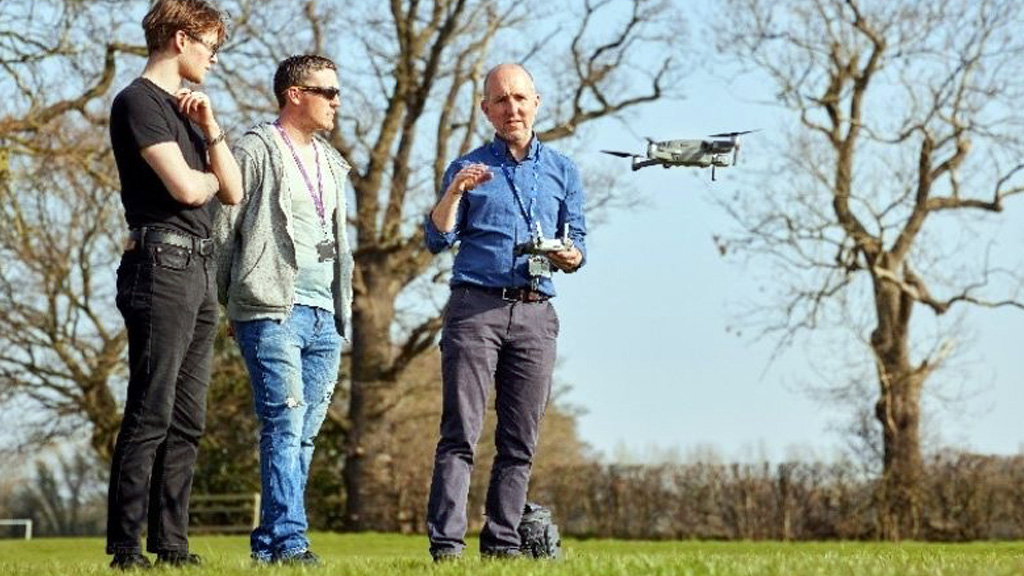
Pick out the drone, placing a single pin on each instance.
(722, 150)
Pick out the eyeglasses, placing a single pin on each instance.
(213, 48)
(328, 92)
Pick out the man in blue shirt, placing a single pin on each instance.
(500, 327)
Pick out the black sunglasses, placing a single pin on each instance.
(213, 48)
(327, 92)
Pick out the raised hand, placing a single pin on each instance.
(470, 177)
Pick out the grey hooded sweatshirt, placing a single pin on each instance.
(254, 243)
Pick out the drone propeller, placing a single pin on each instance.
(619, 154)
(733, 134)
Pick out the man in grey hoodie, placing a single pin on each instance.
(285, 275)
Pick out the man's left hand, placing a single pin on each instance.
(566, 260)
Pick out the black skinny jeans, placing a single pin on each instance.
(168, 299)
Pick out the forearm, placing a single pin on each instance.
(446, 211)
(185, 184)
(229, 177)
(194, 187)
(223, 166)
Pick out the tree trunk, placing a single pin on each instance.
(104, 433)
(98, 401)
(899, 411)
(367, 471)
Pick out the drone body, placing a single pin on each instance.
(720, 150)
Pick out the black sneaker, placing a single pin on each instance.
(178, 559)
(304, 558)
(447, 556)
(130, 561)
(501, 554)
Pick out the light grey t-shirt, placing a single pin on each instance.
(313, 280)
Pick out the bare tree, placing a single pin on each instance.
(65, 497)
(908, 138)
(60, 348)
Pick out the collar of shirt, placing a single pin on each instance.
(500, 148)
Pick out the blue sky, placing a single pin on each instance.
(644, 340)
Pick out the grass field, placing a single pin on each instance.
(381, 555)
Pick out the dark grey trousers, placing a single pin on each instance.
(487, 340)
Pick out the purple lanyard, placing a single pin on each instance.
(317, 194)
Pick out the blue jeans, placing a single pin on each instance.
(293, 367)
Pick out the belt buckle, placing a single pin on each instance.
(204, 246)
(511, 294)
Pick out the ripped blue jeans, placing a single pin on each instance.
(293, 368)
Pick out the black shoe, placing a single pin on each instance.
(501, 554)
(178, 559)
(444, 557)
(304, 558)
(130, 561)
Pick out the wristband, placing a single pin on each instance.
(220, 138)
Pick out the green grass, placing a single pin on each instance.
(385, 554)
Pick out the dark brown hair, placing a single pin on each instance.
(292, 71)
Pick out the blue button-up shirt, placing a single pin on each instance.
(491, 222)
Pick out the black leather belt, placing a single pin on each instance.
(142, 236)
(515, 293)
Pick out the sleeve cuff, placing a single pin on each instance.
(437, 240)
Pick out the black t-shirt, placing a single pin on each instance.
(143, 114)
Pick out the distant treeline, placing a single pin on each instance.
(963, 497)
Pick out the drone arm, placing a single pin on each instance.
(638, 163)
(619, 154)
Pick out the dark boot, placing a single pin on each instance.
(178, 559)
(133, 560)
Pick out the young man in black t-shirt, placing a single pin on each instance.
(172, 160)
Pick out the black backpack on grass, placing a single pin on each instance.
(539, 534)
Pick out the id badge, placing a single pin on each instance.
(539, 266)
(325, 250)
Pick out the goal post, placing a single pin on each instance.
(19, 522)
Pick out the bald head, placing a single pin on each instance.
(503, 69)
(510, 102)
